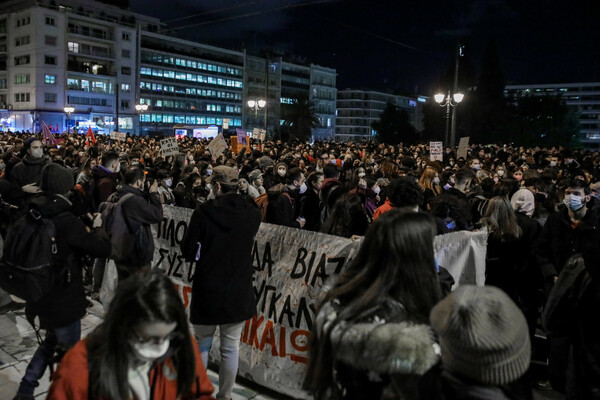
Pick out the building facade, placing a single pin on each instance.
(82, 54)
(582, 98)
(103, 61)
(357, 110)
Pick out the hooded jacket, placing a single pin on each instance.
(71, 379)
(28, 170)
(220, 238)
(66, 303)
(105, 184)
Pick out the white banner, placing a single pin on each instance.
(463, 147)
(290, 267)
(122, 136)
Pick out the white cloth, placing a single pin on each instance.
(139, 381)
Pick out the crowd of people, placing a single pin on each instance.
(388, 327)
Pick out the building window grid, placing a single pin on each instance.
(22, 78)
(22, 97)
(50, 79)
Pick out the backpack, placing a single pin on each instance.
(325, 207)
(115, 222)
(27, 267)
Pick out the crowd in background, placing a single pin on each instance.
(539, 205)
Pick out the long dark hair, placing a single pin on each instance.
(147, 298)
(396, 260)
(347, 217)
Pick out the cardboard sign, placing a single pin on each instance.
(463, 147)
(169, 147)
(217, 145)
(226, 122)
(122, 136)
(436, 151)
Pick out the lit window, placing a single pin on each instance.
(50, 79)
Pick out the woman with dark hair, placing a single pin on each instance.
(310, 202)
(371, 334)
(188, 191)
(142, 350)
(347, 218)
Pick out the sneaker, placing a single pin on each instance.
(543, 385)
(12, 306)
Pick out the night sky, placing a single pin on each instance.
(399, 45)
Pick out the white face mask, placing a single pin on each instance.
(500, 172)
(476, 167)
(436, 180)
(37, 153)
(118, 167)
(553, 163)
(150, 352)
(377, 190)
(169, 182)
(209, 172)
(282, 171)
(303, 188)
(361, 174)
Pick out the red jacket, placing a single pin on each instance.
(70, 381)
(387, 206)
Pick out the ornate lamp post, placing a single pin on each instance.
(141, 108)
(69, 110)
(449, 101)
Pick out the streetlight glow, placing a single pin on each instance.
(458, 97)
(251, 103)
(439, 97)
(261, 103)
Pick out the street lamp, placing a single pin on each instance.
(69, 110)
(141, 108)
(449, 101)
(257, 105)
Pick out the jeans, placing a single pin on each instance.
(230, 335)
(65, 338)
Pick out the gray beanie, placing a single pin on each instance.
(56, 179)
(264, 162)
(483, 335)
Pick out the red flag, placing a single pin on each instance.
(49, 139)
(90, 136)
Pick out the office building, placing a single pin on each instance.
(583, 98)
(357, 110)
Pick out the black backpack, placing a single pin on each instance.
(27, 267)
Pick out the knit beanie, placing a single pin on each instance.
(264, 162)
(56, 179)
(483, 335)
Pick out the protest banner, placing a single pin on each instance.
(122, 136)
(169, 147)
(463, 147)
(241, 136)
(217, 145)
(436, 151)
(226, 122)
(290, 267)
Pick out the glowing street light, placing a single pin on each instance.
(449, 101)
(141, 108)
(69, 110)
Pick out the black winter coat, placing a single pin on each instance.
(142, 210)
(66, 303)
(558, 240)
(28, 170)
(222, 232)
(310, 209)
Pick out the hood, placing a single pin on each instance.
(330, 182)
(228, 210)
(49, 204)
(100, 172)
(34, 161)
(279, 188)
(124, 189)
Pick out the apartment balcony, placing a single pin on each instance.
(91, 33)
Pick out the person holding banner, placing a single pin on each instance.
(219, 238)
(372, 334)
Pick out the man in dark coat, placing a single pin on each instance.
(27, 172)
(61, 310)
(219, 238)
(284, 204)
(141, 211)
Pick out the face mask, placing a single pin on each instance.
(476, 167)
(452, 182)
(377, 190)
(452, 163)
(436, 180)
(150, 352)
(573, 202)
(168, 182)
(281, 172)
(37, 153)
(303, 188)
(209, 172)
(361, 174)
(118, 167)
(553, 163)
(500, 172)
(447, 186)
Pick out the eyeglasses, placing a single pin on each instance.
(173, 336)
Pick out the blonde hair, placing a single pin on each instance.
(426, 180)
(501, 220)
